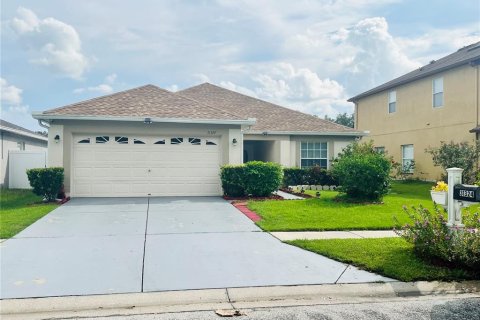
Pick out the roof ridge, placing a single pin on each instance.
(271, 103)
(207, 105)
(106, 96)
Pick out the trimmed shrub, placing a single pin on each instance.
(362, 173)
(255, 178)
(232, 177)
(308, 176)
(433, 239)
(294, 176)
(262, 178)
(46, 182)
(320, 176)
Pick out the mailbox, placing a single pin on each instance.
(464, 192)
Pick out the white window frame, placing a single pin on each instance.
(404, 160)
(392, 99)
(314, 158)
(435, 92)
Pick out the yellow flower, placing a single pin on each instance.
(441, 186)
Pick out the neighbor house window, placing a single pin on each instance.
(437, 85)
(392, 101)
(313, 154)
(21, 145)
(407, 158)
(380, 150)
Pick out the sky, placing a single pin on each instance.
(307, 55)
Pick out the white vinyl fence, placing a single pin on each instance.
(19, 162)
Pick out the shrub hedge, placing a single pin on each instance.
(46, 182)
(255, 178)
(308, 176)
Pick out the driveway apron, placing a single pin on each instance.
(121, 245)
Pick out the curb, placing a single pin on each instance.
(228, 298)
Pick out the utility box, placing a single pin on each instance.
(465, 192)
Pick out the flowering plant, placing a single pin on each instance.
(440, 186)
(433, 239)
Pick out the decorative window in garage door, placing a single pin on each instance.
(121, 140)
(102, 139)
(138, 141)
(161, 141)
(211, 142)
(84, 140)
(176, 140)
(195, 141)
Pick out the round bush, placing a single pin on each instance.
(362, 174)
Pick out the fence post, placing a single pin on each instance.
(453, 207)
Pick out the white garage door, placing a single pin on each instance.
(124, 165)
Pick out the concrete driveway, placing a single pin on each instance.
(122, 245)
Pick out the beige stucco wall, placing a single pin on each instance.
(9, 142)
(285, 149)
(417, 122)
(59, 154)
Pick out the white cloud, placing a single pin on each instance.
(375, 57)
(296, 88)
(111, 78)
(51, 43)
(10, 94)
(103, 88)
(11, 97)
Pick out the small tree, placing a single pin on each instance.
(362, 173)
(460, 155)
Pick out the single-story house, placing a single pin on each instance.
(16, 138)
(150, 141)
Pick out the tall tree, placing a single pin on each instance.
(343, 119)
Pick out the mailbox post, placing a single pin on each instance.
(453, 208)
(459, 196)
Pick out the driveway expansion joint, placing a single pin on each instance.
(145, 242)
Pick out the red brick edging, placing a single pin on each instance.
(242, 207)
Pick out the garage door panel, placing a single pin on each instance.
(115, 169)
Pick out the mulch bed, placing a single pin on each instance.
(247, 198)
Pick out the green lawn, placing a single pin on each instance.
(327, 214)
(19, 209)
(391, 257)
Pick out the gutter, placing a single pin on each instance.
(311, 133)
(23, 133)
(42, 116)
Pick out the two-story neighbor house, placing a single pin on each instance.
(437, 102)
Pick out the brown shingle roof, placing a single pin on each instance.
(270, 117)
(145, 101)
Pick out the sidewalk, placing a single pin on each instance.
(314, 235)
(227, 298)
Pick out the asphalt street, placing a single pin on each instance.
(435, 308)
